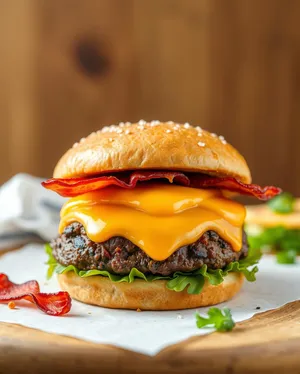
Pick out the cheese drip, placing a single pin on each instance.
(159, 219)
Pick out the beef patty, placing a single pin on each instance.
(119, 255)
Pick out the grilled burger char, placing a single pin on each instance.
(119, 255)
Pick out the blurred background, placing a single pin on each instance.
(69, 67)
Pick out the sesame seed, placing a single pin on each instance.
(201, 144)
(110, 139)
(170, 122)
(198, 128)
(82, 140)
(224, 141)
(175, 128)
(127, 124)
(168, 131)
(142, 122)
(154, 123)
(121, 124)
(214, 135)
(75, 145)
(127, 132)
(186, 125)
(221, 137)
(140, 127)
(119, 131)
(105, 129)
(200, 134)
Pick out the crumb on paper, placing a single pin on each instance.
(139, 310)
(11, 305)
(257, 308)
(179, 316)
(89, 312)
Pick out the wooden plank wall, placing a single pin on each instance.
(71, 66)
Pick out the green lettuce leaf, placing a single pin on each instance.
(52, 263)
(180, 281)
(192, 281)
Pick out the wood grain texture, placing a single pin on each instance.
(231, 66)
(86, 67)
(19, 127)
(267, 343)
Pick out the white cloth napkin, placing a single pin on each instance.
(27, 211)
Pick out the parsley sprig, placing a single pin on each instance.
(221, 320)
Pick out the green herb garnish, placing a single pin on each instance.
(286, 242)
(192, 281)
(221, 320)
(283, 203)
(287, 256)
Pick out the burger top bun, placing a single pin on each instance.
(152, 145)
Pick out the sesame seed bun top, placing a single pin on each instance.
(152, 145)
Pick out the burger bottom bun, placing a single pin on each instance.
(97, 290)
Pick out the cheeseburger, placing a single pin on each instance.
(149, 223)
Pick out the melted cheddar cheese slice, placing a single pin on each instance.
(159, 219)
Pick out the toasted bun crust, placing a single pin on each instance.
(153, 145)
(262, 215)
(97, 290)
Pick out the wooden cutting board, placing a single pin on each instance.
(269, 342)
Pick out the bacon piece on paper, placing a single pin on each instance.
(71, 187)
(55, 304)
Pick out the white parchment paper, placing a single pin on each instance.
(144, 332)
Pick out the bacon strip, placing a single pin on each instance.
(55, 304)
(234, 185)
(76, 186)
